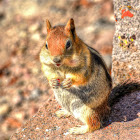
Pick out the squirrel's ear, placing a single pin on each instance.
(70, 27)
(48, 25)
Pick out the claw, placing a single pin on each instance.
(54, 83)
(66, 83)
(79, 130)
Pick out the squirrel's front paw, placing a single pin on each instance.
(67, 83)
(54, 83)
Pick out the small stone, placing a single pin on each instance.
(4, 109)
(4, 127)
(37, 128)
(65, 134)
(34, 27)
(35, 70)
(19, 116)
(4, 99)
(35, 93)
(23, 129)
(33, 110)
(27, 10)
(90, 29)
(47, 130)
(22, 34)
(17, 100)
(35, 37)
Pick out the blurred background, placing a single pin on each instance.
(23, 88)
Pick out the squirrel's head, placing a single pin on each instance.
(60, 42)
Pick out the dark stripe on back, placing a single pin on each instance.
(99, 60)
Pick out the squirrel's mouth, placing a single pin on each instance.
(58, 65)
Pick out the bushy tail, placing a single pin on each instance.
(121, 90)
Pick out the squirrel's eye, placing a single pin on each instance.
(68, 44)
(46, 45)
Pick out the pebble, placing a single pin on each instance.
(17, 100)
(23, 129)
(34, 27)
(65, 134)
(35, 70)
(35, 37)
(35, 93)
(47, 130)
(19, 116)
(33, 110)
(4, 109)
(28, 9)
(37, 128)
(90, 29)
(22, 34)
(4, 127)
(4, 99)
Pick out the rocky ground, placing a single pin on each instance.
(122, 124)
(23, 88)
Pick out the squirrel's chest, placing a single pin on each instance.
(63, 97)
(60, 74)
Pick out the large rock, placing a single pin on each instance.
(45, 125)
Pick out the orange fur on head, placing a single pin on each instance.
(57, 37)
(56, 40)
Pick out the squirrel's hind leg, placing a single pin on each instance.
(89, 117)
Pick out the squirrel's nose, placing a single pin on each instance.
(57, 59)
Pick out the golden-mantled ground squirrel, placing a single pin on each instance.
(78, 75)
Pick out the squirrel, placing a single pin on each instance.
(78, 76)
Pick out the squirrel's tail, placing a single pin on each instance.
(121, 90)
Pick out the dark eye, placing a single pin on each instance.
(68, 44)
(46, 45)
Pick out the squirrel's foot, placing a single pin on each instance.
(91, 126)
(79, 130)
(54, 83)
(62, 113)
(66, 83)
